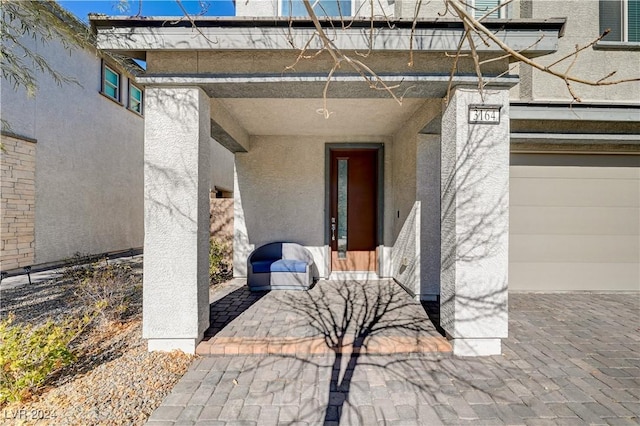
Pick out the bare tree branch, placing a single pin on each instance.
(478, 27)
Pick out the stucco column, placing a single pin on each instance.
(474, 223)
(176, 217)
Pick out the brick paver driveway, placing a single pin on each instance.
(570, 359)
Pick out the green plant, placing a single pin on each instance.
(29, 354)
(220, 263)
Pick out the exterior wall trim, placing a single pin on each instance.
(9, 134)
(573, 112)
(136, 35)
(617, 45)
(583, 138)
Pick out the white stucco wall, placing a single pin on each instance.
(475, 224)
(406, 253)
(88, 162)
(176, 241)
(428, 9)
(257, 8)
(381, 8)
(416, 180)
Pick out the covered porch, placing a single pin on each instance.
(357, 316)
(441, 197)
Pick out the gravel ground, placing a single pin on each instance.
(115, 380)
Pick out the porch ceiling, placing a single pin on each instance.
(349, 117)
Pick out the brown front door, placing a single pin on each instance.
(354, 206)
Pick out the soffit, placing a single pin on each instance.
(301, 117)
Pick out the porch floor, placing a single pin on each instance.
(374, 317)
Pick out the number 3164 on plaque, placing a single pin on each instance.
(484, 114)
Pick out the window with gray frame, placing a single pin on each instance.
(622, 18)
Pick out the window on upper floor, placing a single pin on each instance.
(333, 8)
(482, 7)
(135, 98)
(110, 82)
(622, 17)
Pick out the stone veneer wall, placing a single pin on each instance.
(18, 196)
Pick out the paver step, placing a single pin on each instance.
(378, 345)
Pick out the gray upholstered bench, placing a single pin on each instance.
(284, 266)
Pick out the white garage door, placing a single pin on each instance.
(574, 222)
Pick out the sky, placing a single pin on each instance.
(81, 8)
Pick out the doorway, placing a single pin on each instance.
(354, 207)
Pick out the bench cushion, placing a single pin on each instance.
(288, 265)
(262, 266)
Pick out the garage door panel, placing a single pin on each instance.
(574, 223)
(547, 172)
(575, 192)
(556, 220)
(574, 248)
(574, 276)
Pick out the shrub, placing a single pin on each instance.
(106, 290)
(79, 266)
(220, 263)
(29, 354)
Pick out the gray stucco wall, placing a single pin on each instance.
(279, 196)
(404, 177)
(221, 167)
(88, 162)
(428, 193)
(583, 27)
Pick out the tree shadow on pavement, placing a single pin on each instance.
(355, 318)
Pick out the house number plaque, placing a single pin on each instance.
(484, 114)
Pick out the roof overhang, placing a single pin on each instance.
(575, 127)
(573, 143)
(575, 111)
(135, 36)
(285, 103)
(273, 86)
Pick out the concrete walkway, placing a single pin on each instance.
(571, 359)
